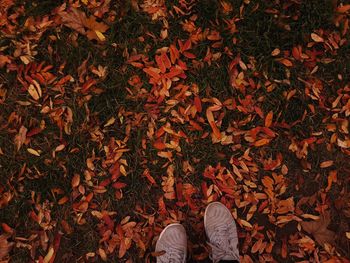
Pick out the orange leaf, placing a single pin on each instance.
(286, 62)
(174, 54)
(148, 175)
(343, 9)
(332, 177)
(153, 72)
(63, 200)
(267, 182)
(268, 119)
(198, 104)
(166, 60)
(160, 64)
(261, 142)
(159, 145)
(326, 164)
(75, 180)
(215, 129)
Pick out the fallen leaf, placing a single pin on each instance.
(316, 38)
(343, 9)
(268, 119)
(318, 229)
(261, 142)
(275, 52)
(21, 137)
(286, 62)
(33, 92)
(5, 246)
(34, 152)
(49, 255)
(77, 20)
(326, 164)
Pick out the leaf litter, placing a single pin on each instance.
(123, 118)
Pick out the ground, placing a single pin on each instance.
(120, 117)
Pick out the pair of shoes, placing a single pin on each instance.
(220, 228)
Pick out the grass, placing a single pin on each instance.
(259, 32)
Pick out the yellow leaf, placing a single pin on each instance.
(49, 255)
(34, 152)
(33, 92)
(245, 223)
(109, 122)
(122, 170)
(59, 148)
(310, 216)
(100, 35)
(348, 235)
(316, 38)
(85, 2)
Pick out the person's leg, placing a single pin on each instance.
(172, 244)
(221, 231)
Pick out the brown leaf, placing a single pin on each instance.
(77, 20)
(21, 137)
(5, 246)
(319, 229)
(75, 180)
(4, 60)
(74, 19)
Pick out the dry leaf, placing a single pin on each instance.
(318, 229)
(326, 164)
(316, 38)
(21, 137)
(77, 20)
(268, 119)
(5, 246)
(34, 152)
(286, 62)
(275, 52)
(33, 92)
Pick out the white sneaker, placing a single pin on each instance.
(173, 241)
(221, 231)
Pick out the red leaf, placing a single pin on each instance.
(166, 60)
(153, 72)
(159, 145)
(174, 53)
(198, 104)
(160, 64)
(189, 55)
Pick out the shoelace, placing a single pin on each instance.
(221, 246)
(173, 255)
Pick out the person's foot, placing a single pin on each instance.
(221, 231)
(172, 241)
